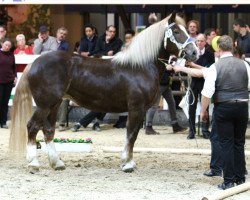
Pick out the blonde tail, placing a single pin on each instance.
(20, 114)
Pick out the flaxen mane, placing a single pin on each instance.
(145, 46)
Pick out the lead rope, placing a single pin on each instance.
(188, 89)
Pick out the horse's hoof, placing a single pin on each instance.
(33, 166)
(60, 168)
(33, 169)
(59, 165)
(129, 167)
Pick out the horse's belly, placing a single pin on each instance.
(99, 104)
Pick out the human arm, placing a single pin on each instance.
(204, 105)
(248, 73)
(14, 70)
(190, 71)
(116, 47)
(194, 65)
(37, 49)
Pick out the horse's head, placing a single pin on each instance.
(178, 35)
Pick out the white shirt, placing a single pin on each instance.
(201, 52)
(210, 75)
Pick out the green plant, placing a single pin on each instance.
(70, 140)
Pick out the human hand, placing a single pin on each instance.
(40, 38)
(110, 53)
(85, 54)
(15, 82)
(169, 67)
(204, 116)
(177, 68)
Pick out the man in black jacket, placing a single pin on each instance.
(108, 44)
(243, 40)
(206, 58)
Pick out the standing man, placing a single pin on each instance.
(210, 34)
(206, 58)
(227, 81)
(243, 40)
(44, 43)
(193, 28)
(63, 45)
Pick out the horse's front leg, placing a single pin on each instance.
(135, 120)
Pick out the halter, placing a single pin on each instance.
(169, 34)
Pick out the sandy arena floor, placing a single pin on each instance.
(97, 175)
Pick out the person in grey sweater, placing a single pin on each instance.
(44, 43)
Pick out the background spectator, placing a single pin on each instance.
(243, 40)
(61, 35)
(193, 28)
(88, 41)
(22, 48)
(63, 45)
(7, 78)
(44, 43)
(108, 44)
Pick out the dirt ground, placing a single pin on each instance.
(97, 175)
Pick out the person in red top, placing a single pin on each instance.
(7, 78)
(22, 48)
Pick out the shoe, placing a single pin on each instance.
(61, 128)
(212, 173)
(4, 126)
(205, 136)
(225, 186)
(190, 136)
(121, 123)
(76, 127)
(150, 131)
(177, 128)
(96, 127)
(239, 182)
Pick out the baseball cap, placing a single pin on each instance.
(43, 29)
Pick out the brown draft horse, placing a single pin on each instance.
(128, 82)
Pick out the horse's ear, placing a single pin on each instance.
(172, 17)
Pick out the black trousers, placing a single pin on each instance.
(196, 88)
(87, 119)
(231, 123)
(216, 161)
(5, 91)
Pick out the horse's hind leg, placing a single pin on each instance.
(135, 120)
(49, 132)
(33, 126)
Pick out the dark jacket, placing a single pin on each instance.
(7, 67)
(63, 46)
(87, 45)
(102, 48)
(206, 60)
(244, 44)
